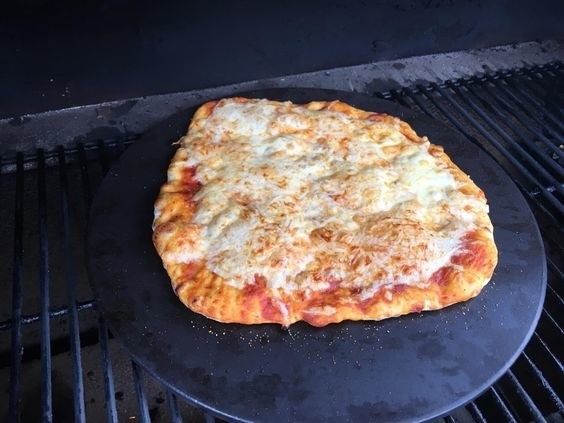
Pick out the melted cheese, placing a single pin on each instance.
(288, 192)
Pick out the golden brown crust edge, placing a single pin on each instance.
(206, 293)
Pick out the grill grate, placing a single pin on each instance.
(516, 116)
(44, 316)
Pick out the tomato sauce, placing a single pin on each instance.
(188, 182)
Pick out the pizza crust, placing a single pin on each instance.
(320, 294)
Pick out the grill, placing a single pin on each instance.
(57, 350)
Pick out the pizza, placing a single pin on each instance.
(275, 212)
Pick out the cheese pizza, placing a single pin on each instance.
(275, 212)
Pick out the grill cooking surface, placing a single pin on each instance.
(262, 372)
(61, 352)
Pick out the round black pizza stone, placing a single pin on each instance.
(414, 367)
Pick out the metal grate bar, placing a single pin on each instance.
(144, 416)
(506, 154)
(17, 299)
(526, 120)
(55, 312)
(74, 331)
(552, 266)
(410, 102)
(446, 113)
(534, 84)
(544, 345)
(553, 299)
(540, 77)
(553, 361)
(533, 154)
(548, 351)
(418, 102)
(501, 405)
(400, 99)
(520, 104)
(175, 416)
(534, 81)
(475, 412)
(51, 157)
(546, 367)
(524, 153)
(84, 174)
(552, 292)
(552, 320)
(543, 382)
(46, 394)
(547, 79)
(524, 396)
(553, 69)
(532, 99)
(556, 68)
(395, 96)
(449, 419)
(111, 409)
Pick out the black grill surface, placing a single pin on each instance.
(58, 360)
